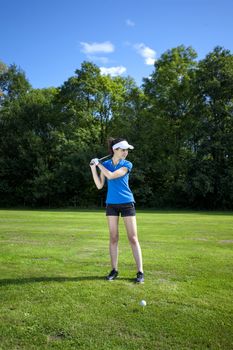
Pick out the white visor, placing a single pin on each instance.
(122, 145)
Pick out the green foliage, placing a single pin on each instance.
(212, 167)
(170, 101)
(180, 122)
(13, 82)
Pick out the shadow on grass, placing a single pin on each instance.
(19, 281)
(139, 210)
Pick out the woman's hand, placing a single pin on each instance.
(94, 161)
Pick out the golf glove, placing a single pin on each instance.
(94, 161)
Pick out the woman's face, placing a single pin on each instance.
(121, 153)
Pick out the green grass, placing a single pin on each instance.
(53, 294)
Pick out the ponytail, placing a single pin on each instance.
(112, 142)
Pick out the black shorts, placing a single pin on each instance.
(126, 209)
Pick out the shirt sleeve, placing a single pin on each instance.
(128, 165)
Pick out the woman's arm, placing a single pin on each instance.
(98, 179)
(113, 175)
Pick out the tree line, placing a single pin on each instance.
(180, 121)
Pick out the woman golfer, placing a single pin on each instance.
(119, 200)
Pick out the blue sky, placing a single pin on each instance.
(49, 39)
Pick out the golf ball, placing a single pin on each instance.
(143, 303)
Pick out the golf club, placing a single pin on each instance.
(109, 155)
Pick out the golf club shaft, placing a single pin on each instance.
(101, 158)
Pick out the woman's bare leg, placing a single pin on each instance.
(114, 238)
(131, 228)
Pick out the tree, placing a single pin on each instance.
(168, 120)
(211, 172)
(3, 70)
(27, 127)
(13, 82)
(91, 104)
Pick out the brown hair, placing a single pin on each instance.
(112, 142)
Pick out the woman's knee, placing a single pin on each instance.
(114, 238)
(133, 239)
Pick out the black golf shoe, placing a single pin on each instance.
(140, 277)
(112, 275)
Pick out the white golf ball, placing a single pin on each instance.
(143, 303)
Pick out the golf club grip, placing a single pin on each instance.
(109, 155)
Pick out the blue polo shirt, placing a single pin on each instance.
(118, 189)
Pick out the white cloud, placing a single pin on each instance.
(93, 51)
(129, 23)
(146, 52)
(92, 48)
(149, 61)
(101, 59)
(113, 71)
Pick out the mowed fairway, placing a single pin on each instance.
(53, 294)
